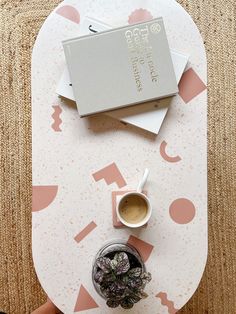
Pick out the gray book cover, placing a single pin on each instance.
(120, 67)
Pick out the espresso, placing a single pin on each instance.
(133, 209)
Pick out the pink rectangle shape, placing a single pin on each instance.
(190, 85)
(116, 221)
(82, 234)
(144, 248)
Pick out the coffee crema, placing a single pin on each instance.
(133, 209)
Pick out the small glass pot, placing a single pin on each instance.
(109, 250)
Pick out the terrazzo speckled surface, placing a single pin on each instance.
(68, 151)
(20, 291)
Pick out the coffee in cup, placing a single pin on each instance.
(134, 209)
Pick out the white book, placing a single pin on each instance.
(148, 116)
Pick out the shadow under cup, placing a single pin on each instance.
(134, 209)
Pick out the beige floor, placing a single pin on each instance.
(20, 21)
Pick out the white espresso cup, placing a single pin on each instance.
(134, 208)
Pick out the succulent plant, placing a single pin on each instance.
(119, 283)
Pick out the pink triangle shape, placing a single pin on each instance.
(84, 301)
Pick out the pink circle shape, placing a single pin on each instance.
(182, 211)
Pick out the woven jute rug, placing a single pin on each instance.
(20, 20)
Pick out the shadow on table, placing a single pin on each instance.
(101, 123)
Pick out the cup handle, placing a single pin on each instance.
(143, 181)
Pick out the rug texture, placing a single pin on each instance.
(20, 21)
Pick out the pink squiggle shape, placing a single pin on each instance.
(164, 301)
(56, 118)
(164, 154)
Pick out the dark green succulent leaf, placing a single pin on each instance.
(128, 292)
(123, 264)
(106, 292)
(125, 279)
(104, 263)
(120, 284)
(98, 277)
(114, 264)
(126, 303)
(110, 277)
(120, 256)
(117, 288)
(146, 277)
(142, 294)
(134, 298)
(135, 283)
(113, 303)
(135, 272)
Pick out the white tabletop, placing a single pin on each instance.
(78, 163)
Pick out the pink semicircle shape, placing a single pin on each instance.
(140, 15)
(43, 196)
(70, 13)
(182, 211)
(164, 154)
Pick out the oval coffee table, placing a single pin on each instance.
(81, 166)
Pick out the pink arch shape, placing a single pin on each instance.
(164, 154)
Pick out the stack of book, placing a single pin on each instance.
(128, 73)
